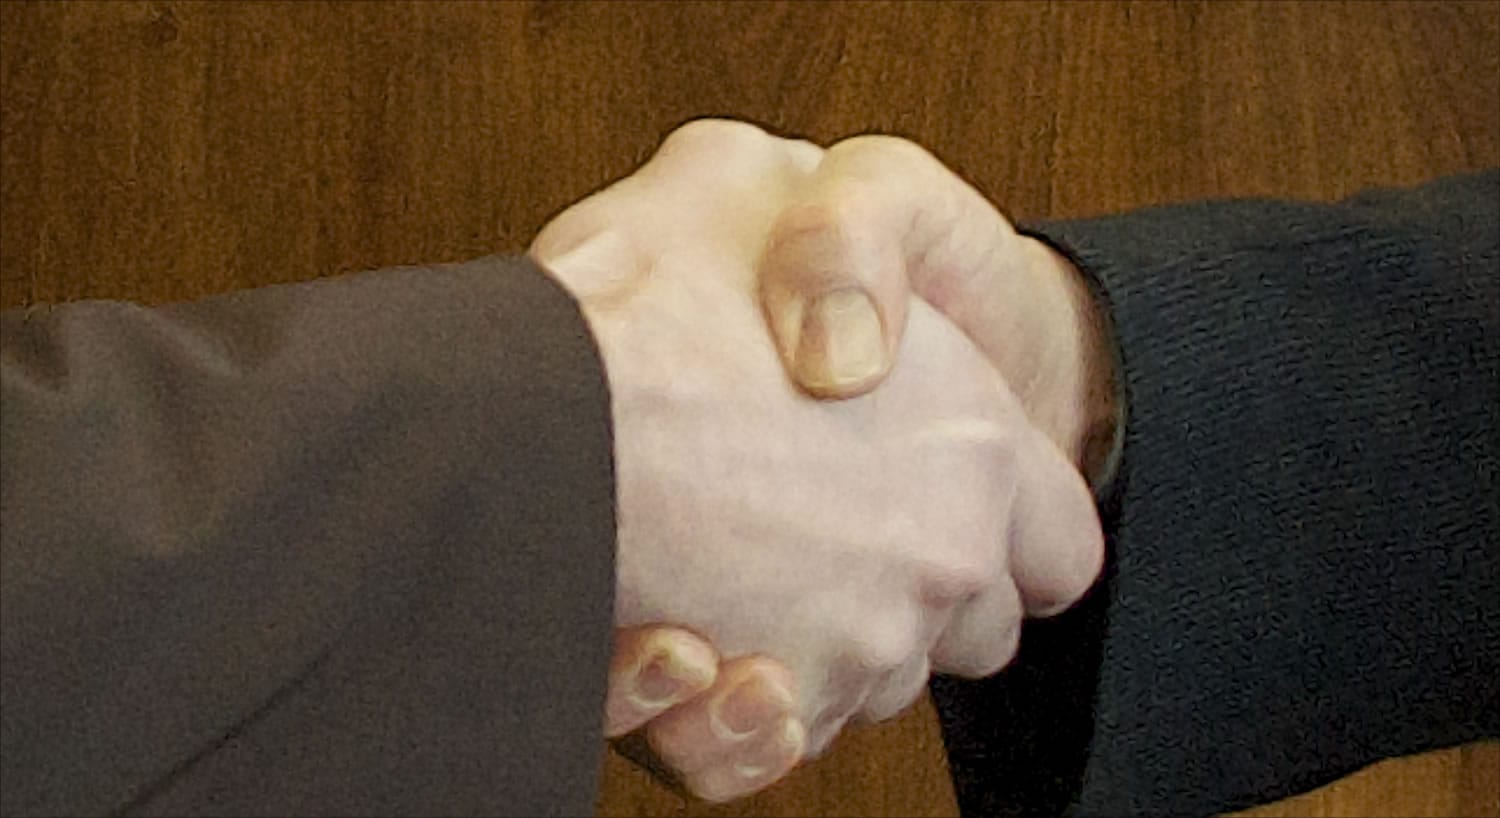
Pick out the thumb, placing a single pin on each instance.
(879, 219)
(834, 290)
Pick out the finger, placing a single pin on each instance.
(879, 218)
(752, 696)
(983, 634)
(834, 290)
(696, 169)
(1057, 543)
(897, 691)
(654, 668)
(711, 160)
(773, 754)
(712, 145)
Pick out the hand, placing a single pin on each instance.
(855, 542)
(880, 220)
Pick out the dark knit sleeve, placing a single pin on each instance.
(1303, 576)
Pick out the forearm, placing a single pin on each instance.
(1311, 471)
(1307, 526)
(206, 503)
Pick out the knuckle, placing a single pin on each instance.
(1007, 650)
(898, 691)
(814, 241)
(880, 649)
(568, 229)
(887, 148)
(726, 135)
(993, 658)
(833, 216)
(948, 582)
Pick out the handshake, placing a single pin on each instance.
(852, 412)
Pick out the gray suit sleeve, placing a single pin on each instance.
(1303, 574)
(336, 547)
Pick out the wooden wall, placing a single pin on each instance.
(166, 150)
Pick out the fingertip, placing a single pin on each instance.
(983, 635)
(834, 289)
(698, 736)
(843, 348)
(1057, 551)
(655, 668)
(793, 738)
(1086, 572)
(777, 755)
(762, 698)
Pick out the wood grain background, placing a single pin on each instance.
(162, 151)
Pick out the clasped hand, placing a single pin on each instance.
(787, 563)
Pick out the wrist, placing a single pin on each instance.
(1083, 412)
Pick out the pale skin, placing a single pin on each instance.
(847, 251)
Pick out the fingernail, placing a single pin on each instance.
(748, 771)
(788, 743)
(841, 343)
(793, 735)
(675, 667)
(655, 684)
(747, 707)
